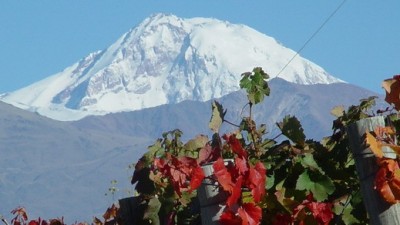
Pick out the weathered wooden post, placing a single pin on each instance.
(379, 211)
(128, 209)
(212, 200)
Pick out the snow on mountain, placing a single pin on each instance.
(165, 59)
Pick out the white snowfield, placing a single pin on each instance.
(165, 59)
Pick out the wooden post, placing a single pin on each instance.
(128, 209)
(212, 200)
(379, 211)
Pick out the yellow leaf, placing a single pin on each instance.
(383, 131)
(390, 130)
(397, 174)
(374, 145)
(338, 111)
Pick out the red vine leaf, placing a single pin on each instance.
(229, 218)
(387, 180)
(235, 145)
(20, 214)
(197, 178)
(34, 222)
(180, 172)
(223, 176)
(208, 154)
(320, 211)
(236, 193)
(250, 214)
(241, 165)
(257, 177)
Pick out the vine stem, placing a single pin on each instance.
(344, 206)
(251, 125)
(272, 139)
(228, 122)
(251, 109)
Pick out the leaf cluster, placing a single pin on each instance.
(291, 181)
(21, 218)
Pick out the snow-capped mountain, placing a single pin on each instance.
(165, 59)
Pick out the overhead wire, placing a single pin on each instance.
(312, 36)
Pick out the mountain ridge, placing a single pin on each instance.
(163, 60)
(56, 168)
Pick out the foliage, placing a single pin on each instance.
(381, 141)
(21, 218)
(256, 85)
(291, 181)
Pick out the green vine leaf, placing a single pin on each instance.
(217, 116)
(345, 210)
(321, 186)
(151, 213)
(154, 151)
(193, 146)
(198, 142)
(367, 103)
(256, 85)
(292, 129)
(270, 181)
(309, 162)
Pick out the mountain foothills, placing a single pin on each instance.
(165, 59)
(63, 139)
(56, 168)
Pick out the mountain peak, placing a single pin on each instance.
(158, 18)
(165, 59)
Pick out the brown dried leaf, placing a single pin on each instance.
(392, 88)
(111, 212)
(97, 221)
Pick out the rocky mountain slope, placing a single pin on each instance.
(165, 59)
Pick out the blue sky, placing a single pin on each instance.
(360, 44)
